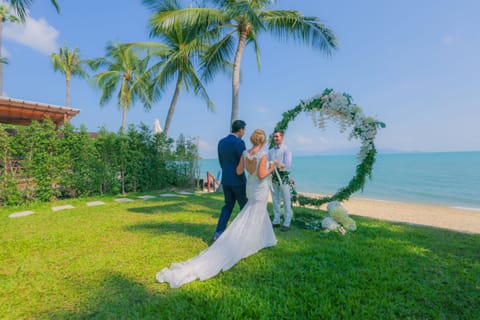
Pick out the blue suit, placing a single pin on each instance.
(230, 150)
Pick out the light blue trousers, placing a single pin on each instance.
(281, 193)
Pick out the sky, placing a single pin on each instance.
(413, 65)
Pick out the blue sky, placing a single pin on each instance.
(411, 64)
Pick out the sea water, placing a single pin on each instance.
(443, 178)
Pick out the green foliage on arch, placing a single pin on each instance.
(339, 108)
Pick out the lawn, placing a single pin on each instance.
(100, 263)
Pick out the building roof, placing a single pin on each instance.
(19, 112)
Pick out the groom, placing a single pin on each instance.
(230, 150)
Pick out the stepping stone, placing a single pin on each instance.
(146, 197)
(168, 195)
(20, 214)
(58, 208)
(184, 192)
(123, 200)
(95, 203)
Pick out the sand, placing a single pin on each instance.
(458, 219)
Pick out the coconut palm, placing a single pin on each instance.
(126, 71)
(184, 47)
(243, 21)
(68, 62)
(21, 7)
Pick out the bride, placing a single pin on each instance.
(249, 232)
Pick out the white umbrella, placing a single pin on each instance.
(156, 127)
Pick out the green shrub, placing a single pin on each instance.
(68, 163)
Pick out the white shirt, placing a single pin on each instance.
(281, 154)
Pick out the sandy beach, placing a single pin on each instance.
(458, 219)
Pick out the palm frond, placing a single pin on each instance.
(216, 57)
(202, 18)
(21, 7)
(243, 13)
(199, 89)
(290, 24)
(252, 38)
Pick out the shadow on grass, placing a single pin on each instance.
(194, 204)
(119, 297)
(203, 231)
(161, 208)
(306, 277)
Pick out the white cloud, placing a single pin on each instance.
(36, 34)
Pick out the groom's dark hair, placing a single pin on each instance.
(237, 125)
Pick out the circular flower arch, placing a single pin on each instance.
(339, 108)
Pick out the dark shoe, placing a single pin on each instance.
(214, 239)
(285, 228)
(276, 225)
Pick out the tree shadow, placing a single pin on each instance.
(161, 208)
(303, 277)
(207, 204)
(119, 297)
(203, 231)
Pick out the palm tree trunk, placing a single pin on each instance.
(67, 98)
(236, 74)
(173, 104)
(124, 119)
(124, 104)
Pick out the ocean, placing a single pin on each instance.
(440, 178)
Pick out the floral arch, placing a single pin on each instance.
(339, 108)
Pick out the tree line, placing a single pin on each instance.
(40, 163)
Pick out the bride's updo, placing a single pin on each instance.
(258, 137)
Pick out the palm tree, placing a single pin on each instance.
(68, 62)
(127, 71)
(15, 12)
(245, 20)
(21, 7)
(184, 47)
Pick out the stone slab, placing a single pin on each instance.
(123, 200)
(20, 214)
(146, 197)
(65, 207)
(95, 203)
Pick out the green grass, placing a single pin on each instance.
(100, 263)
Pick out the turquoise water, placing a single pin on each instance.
(446, 178)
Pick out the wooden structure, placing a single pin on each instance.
(211, 184)
(19, 112)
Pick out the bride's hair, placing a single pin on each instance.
(258, 137)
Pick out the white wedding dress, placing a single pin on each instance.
(249, 232)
